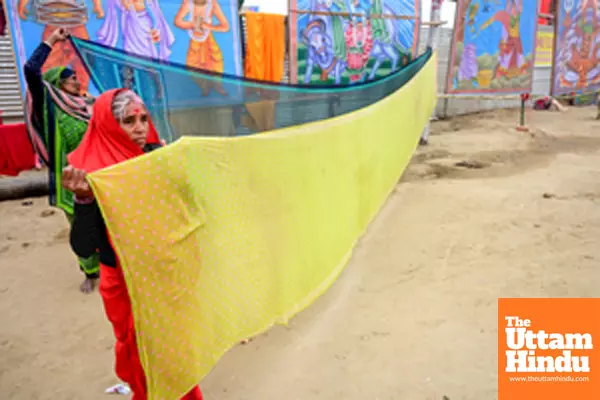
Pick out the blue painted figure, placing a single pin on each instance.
(338, 44)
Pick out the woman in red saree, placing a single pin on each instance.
(120, 129)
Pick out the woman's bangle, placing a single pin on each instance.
(83, 200)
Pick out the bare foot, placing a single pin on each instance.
(87, 286)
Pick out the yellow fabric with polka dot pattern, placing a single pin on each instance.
(220, 238)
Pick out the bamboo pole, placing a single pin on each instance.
(459, 22)
(347, 14)
(432, 42)
(374, 16)
(434, 23)
(507, 97)
(478, 97)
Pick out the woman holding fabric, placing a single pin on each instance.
(120, 129)
(58, 117)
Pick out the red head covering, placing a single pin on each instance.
(105, 143)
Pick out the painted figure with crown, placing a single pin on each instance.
(512, 61)
(359, 38)
(69, 14)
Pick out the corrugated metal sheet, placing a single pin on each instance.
(10, 92)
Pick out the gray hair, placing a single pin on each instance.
(122, 100)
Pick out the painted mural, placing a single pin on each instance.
(349, 41)
(493, 48)
(201, 34)
(544, 48)
(577, 47)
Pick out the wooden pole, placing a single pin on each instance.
(347, 14)
(498, 97)
(292, 45)
(555, 40)
(432, 42)
(373, 16)
(478, 96)
(459, 16)
(434, 23)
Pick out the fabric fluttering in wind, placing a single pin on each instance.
(240, 233)
(188, 102)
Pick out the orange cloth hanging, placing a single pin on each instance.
(265, 58)
(265, 46)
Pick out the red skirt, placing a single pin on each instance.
(128, 367)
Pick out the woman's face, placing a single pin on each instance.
(71, 85)
(135, 123)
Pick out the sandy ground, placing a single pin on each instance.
(413, 316)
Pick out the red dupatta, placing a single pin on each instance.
(105, 143)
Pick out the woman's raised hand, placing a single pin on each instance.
(74, 180)
(58, 35)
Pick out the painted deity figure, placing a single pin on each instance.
(369, 35)
(386, 44)
(589, 5)
(584, 57)
(512, 61)
(325, 41)
(198, 18)
(337, 26)
(63, 53)
(142, 26)
(359, 38)
(366, 36)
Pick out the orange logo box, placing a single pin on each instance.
(548, 349)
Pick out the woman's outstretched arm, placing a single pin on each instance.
(33, 72)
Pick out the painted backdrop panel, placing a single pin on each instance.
(577, 46)
(544, 48)
(338, 49)
(201, 34)
(493, 48)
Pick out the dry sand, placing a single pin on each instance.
(413, 316)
